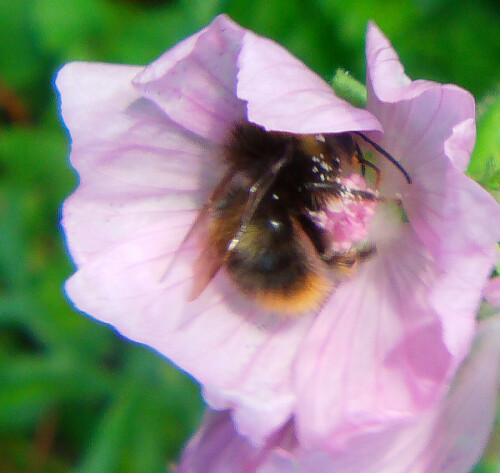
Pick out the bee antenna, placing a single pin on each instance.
(387, 155)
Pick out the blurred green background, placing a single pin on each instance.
(73, 395)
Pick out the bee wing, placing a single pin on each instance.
(255, 195)
(205, 267)
(197, 231)
(219, 236)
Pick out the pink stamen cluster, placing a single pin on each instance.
(347, 219)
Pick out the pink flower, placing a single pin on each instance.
(385, 344)
(448, 438)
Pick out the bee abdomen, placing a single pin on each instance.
(280, 275)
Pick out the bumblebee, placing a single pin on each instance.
(257, 221)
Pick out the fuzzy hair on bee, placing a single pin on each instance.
(257, 222)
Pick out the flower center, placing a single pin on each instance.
(347, 219)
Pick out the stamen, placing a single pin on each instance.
(348, 217)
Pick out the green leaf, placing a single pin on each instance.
(20, 62)
(31, 384)
(485, 163)
(74, 28)
(112, 31)
(348, 88)
(106, 449)
(147, 446)
(142, 38)
(38, 154)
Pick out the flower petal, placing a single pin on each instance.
(217, 448)
(449, 438)
(387, 75)
(458, 147)
(241, 356)
(470, 227)
(430, 128)
(283, 94)
(375, 355)
(194, 83)
(417, 116)
(135, 165)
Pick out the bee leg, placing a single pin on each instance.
(374, 197)
(384, 153)
(365, 163)
(365, 195)
(378, 179)
(344, 192)
(350, 258)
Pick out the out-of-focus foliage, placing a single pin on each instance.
(485, 167)
(73, 395)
